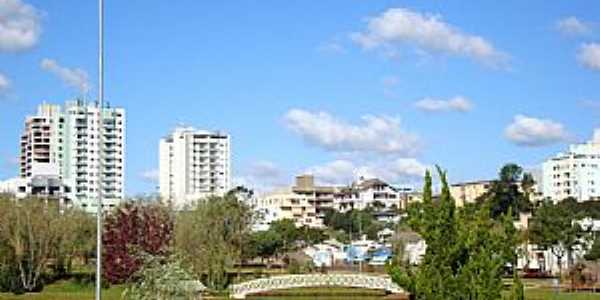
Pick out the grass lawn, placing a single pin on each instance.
(539, 294)
(321, 293)
(68, 290)
(541, 289)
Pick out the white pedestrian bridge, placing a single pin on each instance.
(241, 290)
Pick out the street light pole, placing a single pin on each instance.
(100, 127)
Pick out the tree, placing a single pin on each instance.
(263, 244)
(161, 278)
(435, 223)
(78, 239)
(511, 173)
(466, 249)
(130, 231)
(527, 184)
(594, 253)
(311, 235)
(553, 228)
(505, 193)
(29, 232)
(354, 222)
(210, 237)
(288, 232)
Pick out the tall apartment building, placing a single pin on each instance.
(193, 164)
(575, 173)
(68, 147)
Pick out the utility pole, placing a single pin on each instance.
(100, 128)
(360, 239)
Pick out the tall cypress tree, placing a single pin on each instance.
(466, 249)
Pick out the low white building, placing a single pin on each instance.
(306, 203)
(11, 186)
(263, 217)
(49, 187)
(536, 258)
(370, 192)
(286, 203)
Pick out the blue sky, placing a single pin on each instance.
(336, 88)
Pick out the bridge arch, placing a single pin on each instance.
(241, 290)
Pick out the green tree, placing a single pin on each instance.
(466, 249)
(77, 241)
(30, 230)
(553, 228)
(354, 222)
(594, 253)
(210, 237)
(511, 173)
(505, 193)
(527, 184)
(312, 236)
(288, 232)
(264, 244)
(162, 278)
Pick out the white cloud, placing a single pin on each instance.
(4, 83)
(572, 26)
(20, 26)
(399, 26)
(589, 55)
(395, 171)
(342, 172)
(262, 176)
(457, 103)
(150, 175)
(376, 134)
(265, 170)
(335, 172)
(76, 77)
(533, 132)
(408, 167)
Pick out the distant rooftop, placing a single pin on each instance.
(180, 129)
(473, 182)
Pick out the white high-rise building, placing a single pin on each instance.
(193, 164)
(67, 144)
(575, 173)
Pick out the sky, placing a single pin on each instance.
(338, 89)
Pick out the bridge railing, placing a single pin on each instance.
(241, 290)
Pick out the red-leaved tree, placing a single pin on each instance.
(131, 231)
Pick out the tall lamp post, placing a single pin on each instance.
(101, 126)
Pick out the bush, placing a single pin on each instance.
(294, 267)
(9, 281)
(162, 278)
